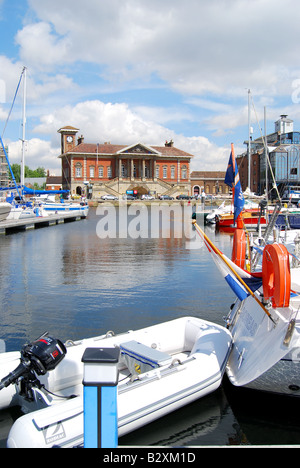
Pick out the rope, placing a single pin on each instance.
(9, 114)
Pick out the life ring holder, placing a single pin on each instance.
(239, 248)
(276, 276)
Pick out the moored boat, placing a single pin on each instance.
(5, 209)
(65, 207)
(162, 368)
(263, 320)
(251, 219)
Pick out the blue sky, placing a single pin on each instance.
(138, 71)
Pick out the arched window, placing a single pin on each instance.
(78, 170)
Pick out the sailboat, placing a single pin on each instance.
(264, 320)
(39, 206)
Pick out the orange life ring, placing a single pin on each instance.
(239, 248)
(276, 276)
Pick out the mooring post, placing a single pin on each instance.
(100, 380)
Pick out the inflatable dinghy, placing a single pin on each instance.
(161, 368)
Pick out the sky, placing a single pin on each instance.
(129, 71)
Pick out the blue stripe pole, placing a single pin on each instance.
(100, 397)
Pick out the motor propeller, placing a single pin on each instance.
(40, 356)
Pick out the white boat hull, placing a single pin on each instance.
(66, 208)
(5, 209)
(197, 355)
(251, 365)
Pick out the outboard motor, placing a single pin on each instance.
(37, 358)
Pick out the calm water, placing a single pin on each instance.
(69, 281)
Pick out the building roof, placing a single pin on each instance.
(208, 175)
(68, 128)
(54, 180)
(110, 149)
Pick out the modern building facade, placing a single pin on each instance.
(94, 170)
(283, 148)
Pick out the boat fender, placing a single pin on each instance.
(239, 248)
(276, 276)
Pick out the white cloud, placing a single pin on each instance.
(208, 53)
(41, 48)
(196, 47)
(38, 153)
(100, 122)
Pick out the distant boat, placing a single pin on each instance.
(251, 218)
(50, 206)
(20, 207)
(212, 216)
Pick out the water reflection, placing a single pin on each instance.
(208, 421)
(68, 280)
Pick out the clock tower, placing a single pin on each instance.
(68, 138)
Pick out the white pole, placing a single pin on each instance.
(24, 132)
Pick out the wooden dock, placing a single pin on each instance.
(10, 226)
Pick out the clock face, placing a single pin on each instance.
(69, 139)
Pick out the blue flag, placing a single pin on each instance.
(232, 179)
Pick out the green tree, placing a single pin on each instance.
(30, 173)
(16, 168)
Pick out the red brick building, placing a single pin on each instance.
(242, 162)
(99, 169)
(212, 182)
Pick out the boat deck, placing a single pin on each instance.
(14, 225)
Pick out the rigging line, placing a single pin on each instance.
(266, 150)
(13, 103)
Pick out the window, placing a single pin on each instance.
(100, 172)
(92, 172)
(184, 172)
(165, 172)
(109, 172)
(157, 172)
(173, 172)
(78, 170)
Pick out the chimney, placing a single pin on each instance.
(170, 143)
(80, 140)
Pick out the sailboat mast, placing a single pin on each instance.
(249, 142)
(266, 150)
(24, 130)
